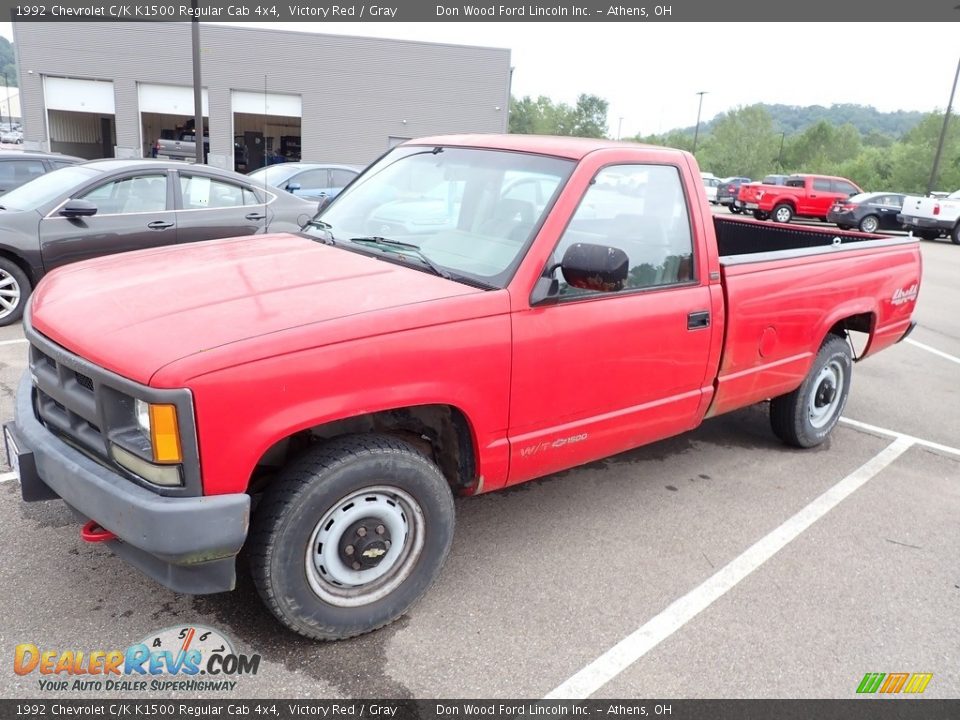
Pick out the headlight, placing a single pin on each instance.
(159, 423)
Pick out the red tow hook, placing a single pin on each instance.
(93, 533)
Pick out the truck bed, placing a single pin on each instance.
(786, 286)
(745, 240)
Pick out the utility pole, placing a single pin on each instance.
(780, 154)
(943, 134)
(620, 129)
(197, 86)
(696, 132)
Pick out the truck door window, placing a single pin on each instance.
(640, 209)
(822, 185)
(841, 186)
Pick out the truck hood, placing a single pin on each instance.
(137, 312)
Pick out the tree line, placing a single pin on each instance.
(748, 141)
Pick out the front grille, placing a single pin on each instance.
(84, 381)
(65, 401)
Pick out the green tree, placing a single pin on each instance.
(8, 61)
(544, 117)
(743, 142)
(589, 117)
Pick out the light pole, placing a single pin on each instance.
(620, 129)
(943, 133)
(197, 87)
(696, 132)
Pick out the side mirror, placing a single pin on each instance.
(595, 267)
(291, 187)
(78, 208)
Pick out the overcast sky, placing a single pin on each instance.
(650, 72)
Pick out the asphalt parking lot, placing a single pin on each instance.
(723, 563)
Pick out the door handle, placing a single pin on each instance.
(255, 216)
(159, 225)
(698, 320)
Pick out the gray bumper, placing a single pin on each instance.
(188, 544)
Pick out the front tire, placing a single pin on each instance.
(760, 215)
(805, 417)
(351, 536)
(783, 213)
(14, 290)
(735, 210)
(955, 234)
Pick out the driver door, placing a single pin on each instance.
(134, 211)
(598, 372)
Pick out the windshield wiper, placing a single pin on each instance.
(414, 249)
(326, 227)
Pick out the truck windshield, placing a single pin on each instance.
(469, 213)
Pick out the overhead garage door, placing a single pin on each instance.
(168, 99)
(258, 103)
(87, 96)
(80, 116)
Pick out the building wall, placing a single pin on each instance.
(356, 92)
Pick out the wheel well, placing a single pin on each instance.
(21, 263)
(862, 323)
(441, 432)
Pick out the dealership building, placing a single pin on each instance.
(113, 89)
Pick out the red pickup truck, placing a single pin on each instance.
(541, 303)
(809, 196)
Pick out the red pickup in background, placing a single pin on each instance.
(471, 313)
(807, 196)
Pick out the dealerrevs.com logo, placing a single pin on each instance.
(190, 658)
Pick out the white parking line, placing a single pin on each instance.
(633, 647)
(941, 353)
(7, 477)
(13, 342)
(866, 427)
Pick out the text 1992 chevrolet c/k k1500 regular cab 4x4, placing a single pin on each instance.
(550, 301)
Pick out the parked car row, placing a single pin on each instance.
(840, 201)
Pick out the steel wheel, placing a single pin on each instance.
(869, 224)
(9, 294)
(825, 399)
(365, 546)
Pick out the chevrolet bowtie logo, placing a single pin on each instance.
(373, 552)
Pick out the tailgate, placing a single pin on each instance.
(919, 206)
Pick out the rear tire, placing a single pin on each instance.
(782, 213)
(805, 417)
(14, 290)
(955, 234)
(322, 575)
(870, 224)
(735, 210)
(929, 234)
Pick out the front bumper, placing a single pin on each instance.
(188, 544)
